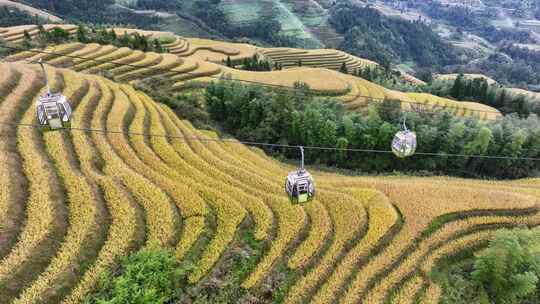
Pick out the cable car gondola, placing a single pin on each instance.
(404, 143)
(52, 109)
(299, 184)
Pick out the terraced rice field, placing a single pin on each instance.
(73, 203)
(211, 50)
(187, 72)
(218, 51)
(15, 34)
(331, 59)
(322, 58)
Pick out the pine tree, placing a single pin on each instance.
(158, 48)
(229, 62)
(343, 68)
(501, 101)
(125, 40)
(300, 62)
(371, 74)
(491, 96)
(27, 42)
(81, 34)
(362, 73)
(27, 36)
(468, 91)
(112, 36)
(520, 106)
(457, 89)
(484, 90)
(144, 43)
(101, 36)
(42, 33)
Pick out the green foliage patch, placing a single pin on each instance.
(510, 267)
(371, 35)
(148, 276)
(297, 117)
(507, 271)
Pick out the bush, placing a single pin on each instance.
(148, 276)
(509, 268)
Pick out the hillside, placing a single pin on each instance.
(280, 23)
(306, 19)
(75, 202)
(193, 62)
(485, 31)
(417, 36)
(30, 10)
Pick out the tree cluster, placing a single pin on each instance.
(524, 68)
(255, 64)
(521, 70)
(298, 118)
(385, 77)
(267, 29)
(210, 12)
(509, 269)
(10, 16)
(56, 35)
(493, 95)
(94, 35)
(134, 41)
(372, 35)
(476, 22)
(65, 7)
(96, 12)
(507, 71)
(459, 16)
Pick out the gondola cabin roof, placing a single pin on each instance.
(295, 176)
(57, 97)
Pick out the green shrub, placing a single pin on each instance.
(509, 268)
(148, 276)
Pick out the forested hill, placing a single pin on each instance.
(359, 30)
(370, 34)
(419, 38)
(91, 11)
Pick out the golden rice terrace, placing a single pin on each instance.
(73, 203)
(193, 62)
